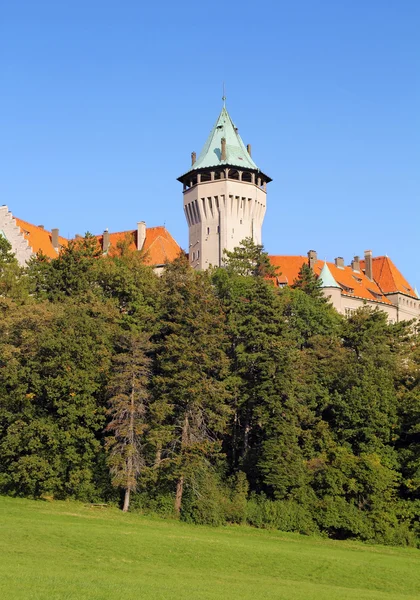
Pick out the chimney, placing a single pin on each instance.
(105, 240)
(54, 239)
(78, 236)
(223, 155)
(339, 262)
(368, 264)
(355, 264)
(41, 226)
(193, 158)
(312, 258)
(141, 234)
(248, 149)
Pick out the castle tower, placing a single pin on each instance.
(224, 195)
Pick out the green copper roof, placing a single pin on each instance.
(326, 278)
(236, 152)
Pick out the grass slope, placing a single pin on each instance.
(66, 551)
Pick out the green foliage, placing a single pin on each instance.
(72, 273)
(13, 283)
(190, 407)
(128, 405)
(251, 404)
(54, 361)
(249, 259)
(309, 283)
(286, 515)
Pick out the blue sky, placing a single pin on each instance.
(101, 104)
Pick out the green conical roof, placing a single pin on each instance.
(326, 278)
(236, 152)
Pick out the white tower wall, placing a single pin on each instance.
(220, 214)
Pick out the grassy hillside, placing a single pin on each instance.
(66, 551)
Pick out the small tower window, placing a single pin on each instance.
(208, 230)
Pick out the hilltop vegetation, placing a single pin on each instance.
(64, 550)
(213, 396)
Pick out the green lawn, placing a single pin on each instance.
(64, 550)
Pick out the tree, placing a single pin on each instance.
(128, 407)
(407, 434)
(72, 273)
(190, 398)
(54, 362)
(309, 283)
(363, 408)
(122, 278)
(249, 259)
(13, 283)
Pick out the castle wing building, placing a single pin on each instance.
(374, 282)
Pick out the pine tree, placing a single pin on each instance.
(128, 408)
(190, 408)
(309, 283)
(13, 283)
(249, 259)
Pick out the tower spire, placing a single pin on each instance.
(224, 96)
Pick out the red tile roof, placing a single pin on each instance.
(39, 238)
(159, 247)
(352, 283)
(388, 277)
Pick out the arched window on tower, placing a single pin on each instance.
(233, 174)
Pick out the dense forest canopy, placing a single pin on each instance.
(213, 396)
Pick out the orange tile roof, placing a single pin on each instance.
(39, 238)
(159, 247)
(388, 277)
(352, 283)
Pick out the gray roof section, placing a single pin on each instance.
(236, 152)
(326, 278)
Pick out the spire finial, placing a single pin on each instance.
(224, 96)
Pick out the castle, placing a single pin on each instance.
(225, 196)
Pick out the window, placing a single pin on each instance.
(346, 288)
(218, 229)
(208, 230)
(375, 294)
